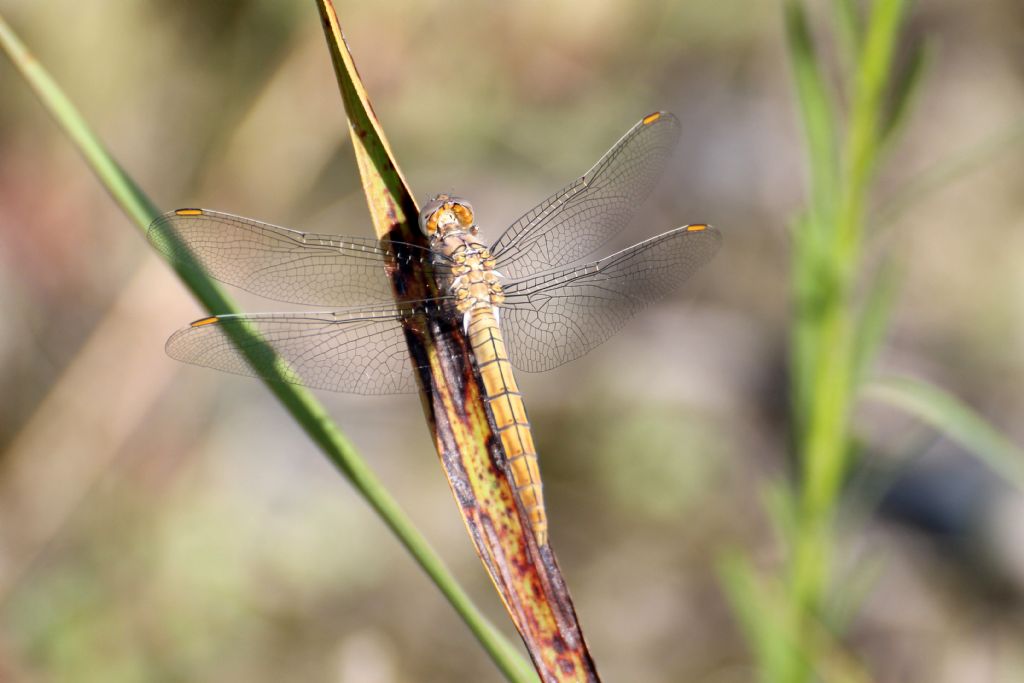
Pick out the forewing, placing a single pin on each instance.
(581, 218)
(278, 263)
(556, 317)
(359, 353)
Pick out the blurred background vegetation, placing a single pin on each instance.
(160, 522)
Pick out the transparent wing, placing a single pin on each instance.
(577, 221)
(555, 317)
(278, 263)
(359, 353)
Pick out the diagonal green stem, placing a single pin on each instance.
(302, 405)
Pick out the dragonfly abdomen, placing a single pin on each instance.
(509, 413)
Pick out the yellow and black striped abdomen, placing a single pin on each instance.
(509, 413)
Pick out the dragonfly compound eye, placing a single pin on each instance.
(464, 212)
(429, 215)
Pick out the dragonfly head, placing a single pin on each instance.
(444, 214)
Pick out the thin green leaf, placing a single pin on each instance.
(858, 583)
(766, 619)
(817, 112)
(874, 318)
(303, 407)
(758, 620)
(780, 503)
(850, 29)
(804, 330)
(955, 419)
(860, 152)
(906, 87)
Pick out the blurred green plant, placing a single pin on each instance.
(840, 315)
(301, 404)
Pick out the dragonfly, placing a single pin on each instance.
(529, 299)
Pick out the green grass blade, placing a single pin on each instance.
(304, 408)
(817, 112)
(874, 319)
(850, 28)
(761, 627)
(762, 609)
(905, 88)
(955, 419)
(864, 135)
(809, 270)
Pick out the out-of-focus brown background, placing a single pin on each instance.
(165, 523)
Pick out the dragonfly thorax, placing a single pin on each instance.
(473, 282)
